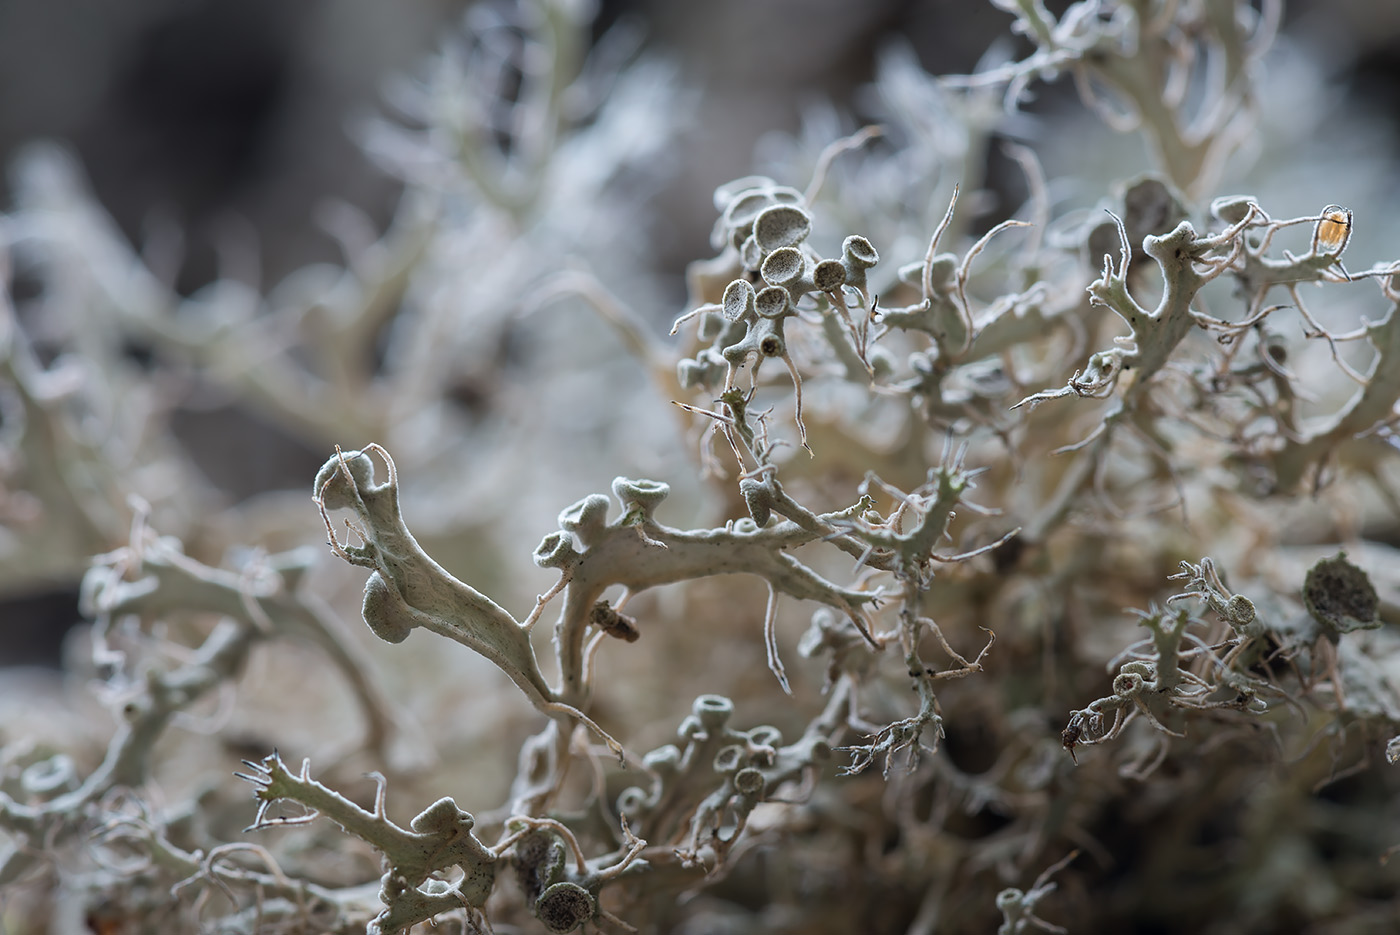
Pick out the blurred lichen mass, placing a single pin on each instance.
(994, 528)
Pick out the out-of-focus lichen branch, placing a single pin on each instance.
(146, 710)
(1372, 406)
(153, 578)
(1145, 60)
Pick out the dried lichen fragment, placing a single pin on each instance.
(1340, 597)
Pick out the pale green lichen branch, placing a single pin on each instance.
(408, 589)
(439, 838)
(1159, 679)
(637, 552)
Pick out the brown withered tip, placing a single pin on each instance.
(1070, 738)
(613, 623)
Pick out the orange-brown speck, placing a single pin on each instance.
(1333, 230)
